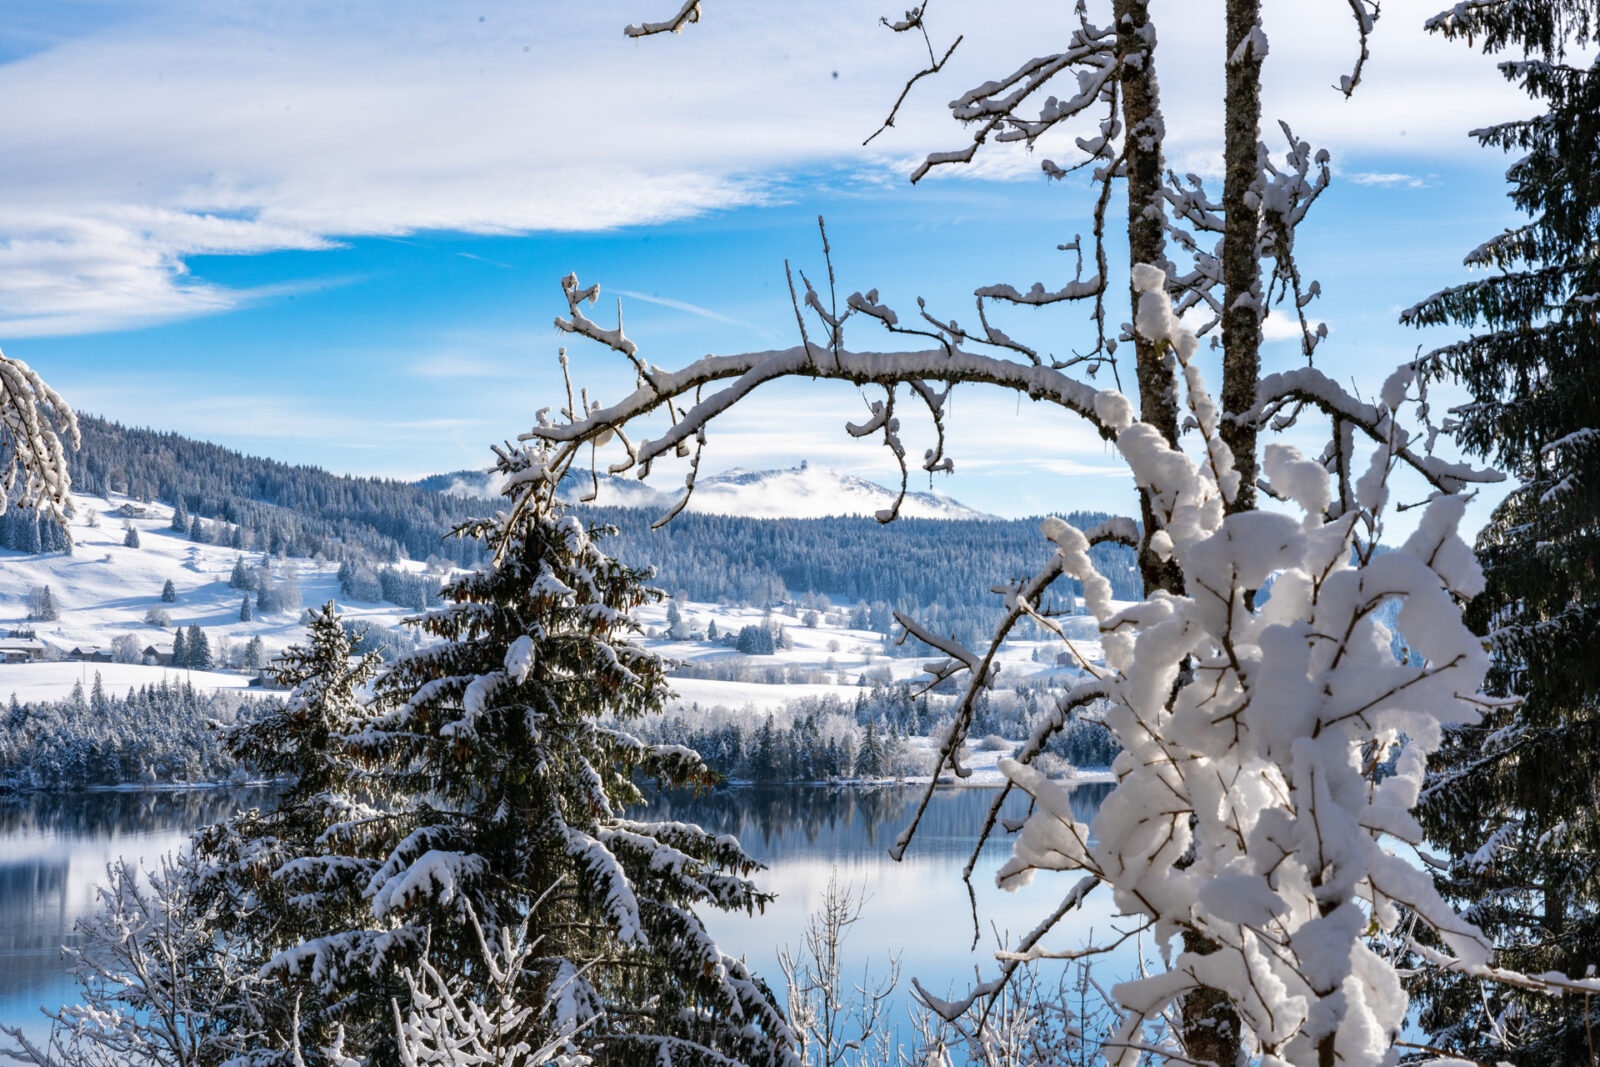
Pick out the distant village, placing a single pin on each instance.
(21, 646)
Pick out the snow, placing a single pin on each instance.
(103, 590)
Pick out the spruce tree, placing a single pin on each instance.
(278, 880)
(512, 726)
(199, 649)
(196, 532)
(245, 614)
(180, 515)
(130, 539)
(180, 650)
(1515, 800)
(240, 578)
(169, 593)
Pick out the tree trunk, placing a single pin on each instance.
(1241, 269)
(1147, 243)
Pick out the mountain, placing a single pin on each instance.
(803, 492)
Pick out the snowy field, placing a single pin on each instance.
(104, 589)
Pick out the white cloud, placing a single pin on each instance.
(1280, 326)
(189, 127)
(1401, 181)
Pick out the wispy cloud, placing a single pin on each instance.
(692, 309)
(1393, 181)
(190, 128)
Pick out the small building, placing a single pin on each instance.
(131, 511)
(21, 650)
(154, 657)
(90, 654)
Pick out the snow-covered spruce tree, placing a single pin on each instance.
(1515, 800)
(279, 879)
(509, 733)
(33, 422)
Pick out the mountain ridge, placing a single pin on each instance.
(806, 491)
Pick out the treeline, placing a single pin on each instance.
(819, 739)
(156, 734)
(938, 571)
(273, 507)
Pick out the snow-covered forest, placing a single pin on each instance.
(1350, 740)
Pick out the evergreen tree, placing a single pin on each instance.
(512, 723)
(130, 539)
(255, 653)
(180, 515)
(1514, 800)
(871, 761)
(180, 650)
(196, 532)
(199, 649)
(169, 593)
(245, 614)
(240, 578)
(277, 880)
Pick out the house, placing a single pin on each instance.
(131, 511)
(21, 650)
(154, 657)
(90, 654)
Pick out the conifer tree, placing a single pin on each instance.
(512, 724)
(130, 539)
(245, 614)
(180, 515)
(277, 880)
(199, 649)
(1514, 800)
(169, 593)
(196, 532)
(180, 649)
(240, 578)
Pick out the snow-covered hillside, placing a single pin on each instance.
(103, 590)
(803, 492)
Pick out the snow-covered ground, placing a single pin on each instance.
(103, 589)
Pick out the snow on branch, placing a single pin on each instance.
(33, 422)
(1306, 385)
(689, 12)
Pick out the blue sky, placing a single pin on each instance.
(337, 238)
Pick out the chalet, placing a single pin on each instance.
(154, 657)
(21, 650)
(131, 511)
(89, 654)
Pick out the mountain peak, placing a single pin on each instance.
(807, 491)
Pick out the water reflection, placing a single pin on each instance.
(917, 909)
(54, 850)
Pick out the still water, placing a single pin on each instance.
(54, 850)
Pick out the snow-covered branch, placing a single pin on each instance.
(33, 422)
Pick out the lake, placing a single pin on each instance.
(54, 850)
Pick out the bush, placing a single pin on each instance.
(157, 617)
